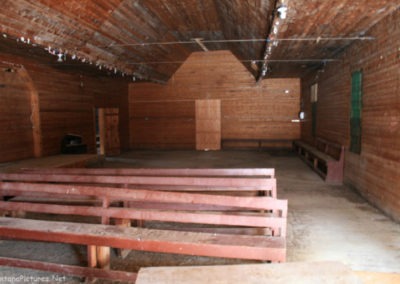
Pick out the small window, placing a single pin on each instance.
(314, 93)
(314, 99)
(356, 110)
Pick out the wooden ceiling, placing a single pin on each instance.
(149, 39)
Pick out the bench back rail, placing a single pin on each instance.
(189, 243)
(246, 211)
(234, 184)
(100, 209)
(206, 172)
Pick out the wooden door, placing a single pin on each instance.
(109, 131)
(208, 124)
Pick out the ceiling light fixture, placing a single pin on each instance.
(282, 11)
(60, 57)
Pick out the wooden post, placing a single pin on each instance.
(98, 257)
(35, 112)
(92, 261)
(123, 253)
(103, 253)
(104, 219)
(92, 256)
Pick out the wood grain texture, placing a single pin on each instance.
(66, 105)
(375, 173)
(208, 124)
(15, 111)
(248, 110)
(111, 32)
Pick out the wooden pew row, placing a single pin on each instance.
(248, 212)
(206, 172)
(177, 183)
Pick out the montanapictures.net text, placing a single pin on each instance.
(32, 279)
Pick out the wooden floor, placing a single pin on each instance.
(325, 222)
(296, 272)
(56, 161)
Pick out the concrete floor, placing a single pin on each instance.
(325, 223)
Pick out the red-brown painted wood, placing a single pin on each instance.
(159, 171)
(375, 172)
(119, 194)
(164, 116)
(254, 220)
(202, 244)
(160, 183)
(87, 272)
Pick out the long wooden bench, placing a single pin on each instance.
(215, 180)
(257, 143)
(326, 158)
(206, 172)
(208, 212)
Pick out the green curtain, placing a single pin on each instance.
(355, 115)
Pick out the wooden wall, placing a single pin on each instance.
(16, 139)
(111, 93)
(66, 104)
(375, 173)
(163, 116)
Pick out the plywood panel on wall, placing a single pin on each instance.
(375, 173)
(248, 110)
(208, 124)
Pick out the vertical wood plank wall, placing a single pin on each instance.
(111, 93)
(16, 138)
(375, 173)
(66, 103)
(163, 116)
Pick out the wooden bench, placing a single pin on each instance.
(252, 215)
(212, 180)
(193, 172)
(326, 158)
(251, 143)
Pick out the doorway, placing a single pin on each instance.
(107, 131)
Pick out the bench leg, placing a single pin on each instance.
(98, 257)
(103, 257)
(123, 253)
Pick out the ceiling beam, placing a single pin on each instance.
(280, 8)
(245, 40)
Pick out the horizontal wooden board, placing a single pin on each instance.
(248, 110)
(374, 172)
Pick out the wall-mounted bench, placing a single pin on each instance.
(326, 158)
(263, 219)
(254, 143)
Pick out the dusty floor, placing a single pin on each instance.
(325, 222)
